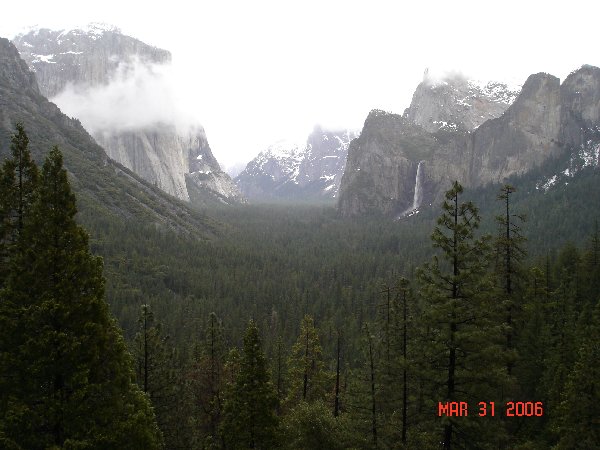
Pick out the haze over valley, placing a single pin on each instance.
(319, 225)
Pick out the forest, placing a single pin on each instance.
(471, 325)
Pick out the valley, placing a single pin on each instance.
(336, 291)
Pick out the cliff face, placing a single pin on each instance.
(580, 101)
(457, 103)
(527, 134)
(160, 153)
(545, 119)
(14, 71)
(104, 187)
(382, 165)
(81, 56)
(311, 170)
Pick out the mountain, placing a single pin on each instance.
(105, 189)
(401, 162)
(457, 103)
(307, 171)
(89, 65)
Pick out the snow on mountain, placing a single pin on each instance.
(455, 103)
(110, 82)
(588, 155)
(289, 170)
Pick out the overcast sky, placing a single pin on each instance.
(255, 71)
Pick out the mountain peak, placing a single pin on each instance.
(290, 170)
(455, 102)
(92, 29)
(86, 66)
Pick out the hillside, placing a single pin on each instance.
(106, 190)
(114, 84)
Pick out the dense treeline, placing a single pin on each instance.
(478, 324)
(292, 328)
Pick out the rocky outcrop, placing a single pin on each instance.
(205, 181)
(545, 119)
(580, 101)
(83, 59)
(382, 165)
(527, 133)
(307, 171)
(457, 103)
(105, 189)
(82, 56)
(14, 71)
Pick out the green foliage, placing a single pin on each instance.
(158, 374)
(307, 378)
(462, 357)
(18, 183)
(579, 424)
(66, 374)
(249, 419)
(207, 382)
(312, 426)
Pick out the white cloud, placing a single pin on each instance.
(138, 96)
(253, 72)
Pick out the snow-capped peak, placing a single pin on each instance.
(285, 148)
(92, 29)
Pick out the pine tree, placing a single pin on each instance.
(313, 426)
(157, 372)
(402, 309)
(207, 382)
(249, 410)
(510, 253)
(580, 410)
(280, 370)
(68, 379)
(461, 347)
(18, 184)
(307, 378)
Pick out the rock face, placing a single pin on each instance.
(14, 71)
(544, 120)
(309, 171)
(457, 103)
(84, 59)
(87, 56)
(104, 187)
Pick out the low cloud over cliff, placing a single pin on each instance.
(138, 96)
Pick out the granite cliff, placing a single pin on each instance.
(105, 189)
(545, 119)
(159, 151)
(457, 103)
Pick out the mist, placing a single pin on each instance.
(138, 96)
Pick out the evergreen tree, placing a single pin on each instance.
(207, 381)
(404, 320)
(279, 370)
(311, 425)
(509, 253)
(461, 348)
(157, 373)
(18, 184)
(67, 376)
(580, 410)
(307, 378)
(249, 409)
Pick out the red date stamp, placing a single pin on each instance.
(510, 409)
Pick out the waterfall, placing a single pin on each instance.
(418, 195)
